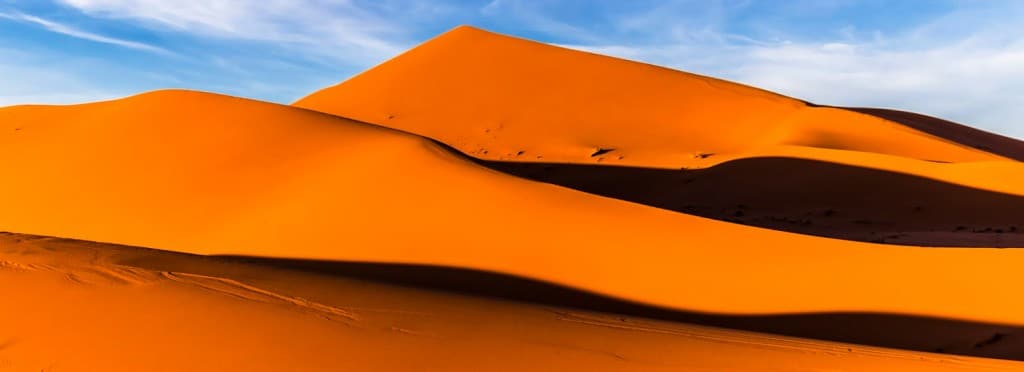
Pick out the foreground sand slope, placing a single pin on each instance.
(502, 98)
(209, 174)
(77, 306)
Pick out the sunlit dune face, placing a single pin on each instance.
(501, 98)
(646, 191)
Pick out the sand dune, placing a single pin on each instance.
(264, 321)
(482, 152)
(982, 140)
(509, 101)
(232, 176)
(494, 96)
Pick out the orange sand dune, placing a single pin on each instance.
(512, 103)
(210, 174)
(77, 306)
(991, 142)
(502, 98)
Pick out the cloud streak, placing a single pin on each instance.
(945, 58)
(343, 30)
(81, 34)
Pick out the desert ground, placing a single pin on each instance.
(485, 202)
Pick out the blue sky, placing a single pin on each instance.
(963, 60)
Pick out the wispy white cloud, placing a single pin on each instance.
(942, 68)
(81, 34)
(950, 59)
(344, 29)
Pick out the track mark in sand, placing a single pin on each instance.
(23, 267)
(247, 292)
(114, 275)
(410, 332)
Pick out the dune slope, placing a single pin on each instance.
(990, 142)
(530, 109)
(140, 309)
(208, 174)
(502, 98)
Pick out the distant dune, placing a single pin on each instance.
(492, 96)
(663, 193)
(514, 103)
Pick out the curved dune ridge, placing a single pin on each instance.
(492, 96)
(471, 151)
(231, 315)
(509, 101)
(233, 176)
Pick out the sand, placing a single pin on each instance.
(659, 193)
(530, 109)
(79, 306)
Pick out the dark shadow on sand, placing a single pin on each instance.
(885, 330)
(806, 196)
(976, 138)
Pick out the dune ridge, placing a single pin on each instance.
(121, 322)
(545, 112)
(489, 153)
(494, 96)
(235, 176)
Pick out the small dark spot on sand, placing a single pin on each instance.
(703, 155)
(601, 151)
(520, 152)
(391, 116)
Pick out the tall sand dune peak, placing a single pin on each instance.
(498, 97)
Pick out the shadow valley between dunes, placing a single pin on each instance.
(874, 329)
(806, 196)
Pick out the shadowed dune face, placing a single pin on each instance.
(906, 332)
(233, 176)
(979, 139)
(496, 97)
(808, 197)
(132, 307)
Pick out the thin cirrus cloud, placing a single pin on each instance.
(945, 58)
(85, 35)
(340, 30)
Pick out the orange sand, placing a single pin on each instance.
(492, 96)
(232, 176)
(76, 306)
(207, 174)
